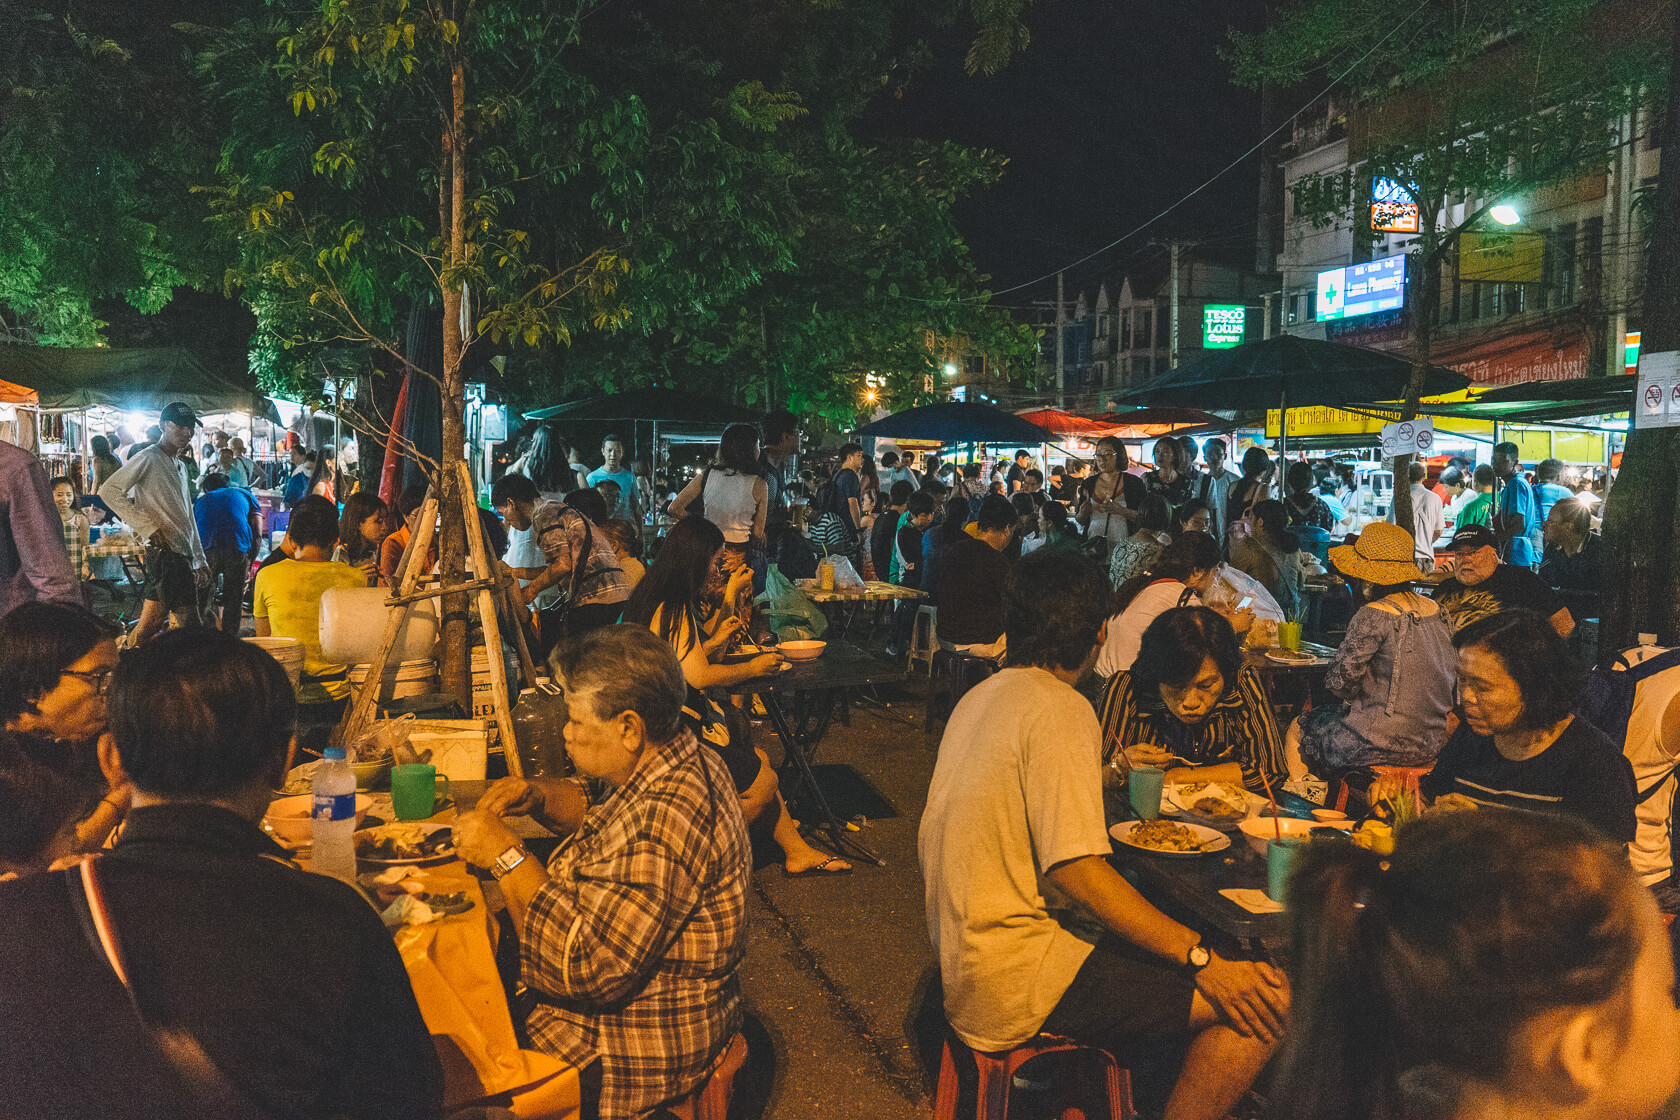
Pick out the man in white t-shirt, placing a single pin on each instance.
(1428, 518)
(1214, 485)
(1035, 931)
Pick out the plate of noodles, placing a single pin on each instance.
(1169, 838)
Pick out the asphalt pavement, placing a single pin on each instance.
(837, 966)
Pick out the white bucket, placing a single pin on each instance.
(287, 651)
(353, 621)
(411, 678)
(463, 756)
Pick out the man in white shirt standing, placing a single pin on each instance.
(1428, 518)
(151, 494)
(1035, 930)
(1214, 484)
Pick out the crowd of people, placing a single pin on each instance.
(1504, 961)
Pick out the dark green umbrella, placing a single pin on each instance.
(1291, 372)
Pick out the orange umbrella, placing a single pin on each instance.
(1064, 424)
(17, 394)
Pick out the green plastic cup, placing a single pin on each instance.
(1280, 859)
(1289, 635)
(414, 794)
(1144, 787)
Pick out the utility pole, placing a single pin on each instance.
(1266, 321)
(1172, 352)
(1061, 364)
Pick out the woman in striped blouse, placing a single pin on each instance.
(1189, 705)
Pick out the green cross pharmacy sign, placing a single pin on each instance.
(1222, 325)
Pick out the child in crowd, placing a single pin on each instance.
(75, 527)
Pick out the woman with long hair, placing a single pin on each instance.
(362, 528)
(1190, 705)
(1111, 499)
(1497, 964)
(733, 495)
(323, 478)
(547, 462)
(1253, 487)
(1138, 552)
(668, 600)
(1179, 578)
(1171, 476)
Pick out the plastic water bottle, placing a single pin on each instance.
(333, 818)
(539, 724)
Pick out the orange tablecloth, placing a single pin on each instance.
(451, 964)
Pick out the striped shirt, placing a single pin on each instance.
(634, 943)
(1241, 727)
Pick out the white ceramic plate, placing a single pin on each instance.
(1176, 803)
(1123, 833)
(444, 855)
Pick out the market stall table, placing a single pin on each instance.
(451, 964)
(874, 591)
(131, 555)
(1192, 884)
(819, 689)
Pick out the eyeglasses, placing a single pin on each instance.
(100, 679)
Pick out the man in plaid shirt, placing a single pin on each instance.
(632, 935)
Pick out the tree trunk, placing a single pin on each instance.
(455, 676)
(1641, 517)
(1425, 294)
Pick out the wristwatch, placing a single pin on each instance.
(515, 856)
(1197, 958)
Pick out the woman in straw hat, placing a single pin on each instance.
(1393, 672)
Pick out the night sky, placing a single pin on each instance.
(1115, 110)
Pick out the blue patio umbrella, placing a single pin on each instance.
(958, 422)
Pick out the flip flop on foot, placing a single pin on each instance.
(826, 867)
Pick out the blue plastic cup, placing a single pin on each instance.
(1144, 787)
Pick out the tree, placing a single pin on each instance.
(1641, 514)
(1480, 100)
(101, 134)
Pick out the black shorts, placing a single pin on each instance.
(742, 761)
(169, 579)
(1122, 994)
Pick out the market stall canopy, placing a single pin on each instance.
(958, 422)
(1290, 371)
(140, 380)
(1540, 402)
(665, 406)
(1151, 422)
(1063, 425)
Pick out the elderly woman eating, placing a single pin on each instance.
(1521, 745)
(1189, 705)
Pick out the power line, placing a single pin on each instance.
(1264, 140)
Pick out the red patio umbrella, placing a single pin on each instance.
(1064, 424)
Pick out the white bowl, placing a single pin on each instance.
(289, 817)
(1258, 830)
(801, 651)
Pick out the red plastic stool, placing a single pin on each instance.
(711, 1100)
(996, 1073)
(1408, 776)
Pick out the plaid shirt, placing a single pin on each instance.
(76, 544)
(634, 943)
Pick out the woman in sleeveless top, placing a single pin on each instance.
(734, 497)
(1110, 504)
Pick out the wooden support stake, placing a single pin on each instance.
(360, 713)
(486, 602)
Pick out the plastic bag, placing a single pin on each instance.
(1230, 586)
(382, 740)
(846, 577)
(787, 610)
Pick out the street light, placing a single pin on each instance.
(1505, 214)
(950, 370)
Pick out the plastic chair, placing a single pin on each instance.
(924, 640)
(952, 675)
(711, 1100)
(1073, 1089)
(1408, 776)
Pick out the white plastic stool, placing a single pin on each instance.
(924, 640)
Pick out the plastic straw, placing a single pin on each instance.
(1277, 822)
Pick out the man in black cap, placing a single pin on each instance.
(1480, 585)
(153, 496)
